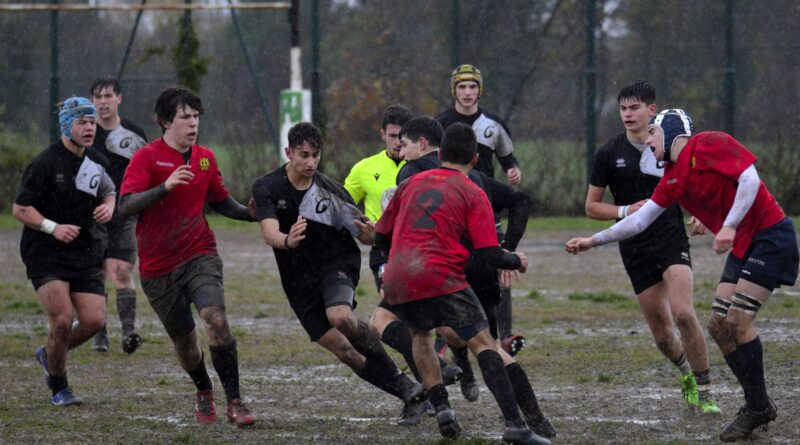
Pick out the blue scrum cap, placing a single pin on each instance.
(673, 122)
(74, 108)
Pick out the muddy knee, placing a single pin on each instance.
(217, 323)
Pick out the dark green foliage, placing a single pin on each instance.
(15, 153)
(189, 66)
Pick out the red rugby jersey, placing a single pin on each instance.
(704, 179)
(174, 230)
(426, 218)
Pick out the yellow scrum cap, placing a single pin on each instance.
(463, 73)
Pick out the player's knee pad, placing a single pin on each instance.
(746, 304)
(720, 307)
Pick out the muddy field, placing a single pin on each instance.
(597, 373)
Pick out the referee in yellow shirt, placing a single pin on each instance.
(371, 176)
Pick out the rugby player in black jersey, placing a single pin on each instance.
(65, 198)
(657, 261)
(308, 220)
(494, 140)
(118, 139)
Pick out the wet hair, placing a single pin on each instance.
(171, 99)
(424, 126)
(104, 82)
(639, 90)
(305, 132)
(459, 144)
(397, 114)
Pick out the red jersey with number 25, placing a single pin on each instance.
(426, 219)
(704, 180)
(174, 230)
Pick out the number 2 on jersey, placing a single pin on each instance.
(429, 200)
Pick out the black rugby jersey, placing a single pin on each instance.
(119, 145)
(494, 139)
(617, 166)
(50, 185)
(324, 246)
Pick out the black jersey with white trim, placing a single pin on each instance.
(119, 145)
(494, 139)
(619, 166)
(52, 185)
(324, 245)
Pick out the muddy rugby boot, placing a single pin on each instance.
(448, 423)
(100, 340)
(513, 344)
(239, 414)
(65, 397)
(131, 342)
(204, 410)
(523, 435)
(747, 421)
(689, 390)
(451, 374)
(412, 413)
(707, 405)
(411, 391)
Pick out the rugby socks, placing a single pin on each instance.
(523, 391)
(703, 379)
(126, 308)
(682, 364)
(375, 373)
(496, 379)
(461, 359)
(398, 337)
(226, 362)
(503, 313)
(199, 375)
(57, 383)
(437, 395)
(370, 347)
(747, 364)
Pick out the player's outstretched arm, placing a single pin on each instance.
(231, 208)
(578, 245)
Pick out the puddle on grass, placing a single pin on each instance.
(172, 420)
(627, 420)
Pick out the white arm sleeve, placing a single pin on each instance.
(749, 182)
(630, 226)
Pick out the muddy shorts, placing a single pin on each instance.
(122, 239)
(770, 261)
(459, 310)
(199, 281)
(90, 281)
(647, 270)
(335, 288)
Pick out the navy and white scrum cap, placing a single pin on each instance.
(673, 122)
